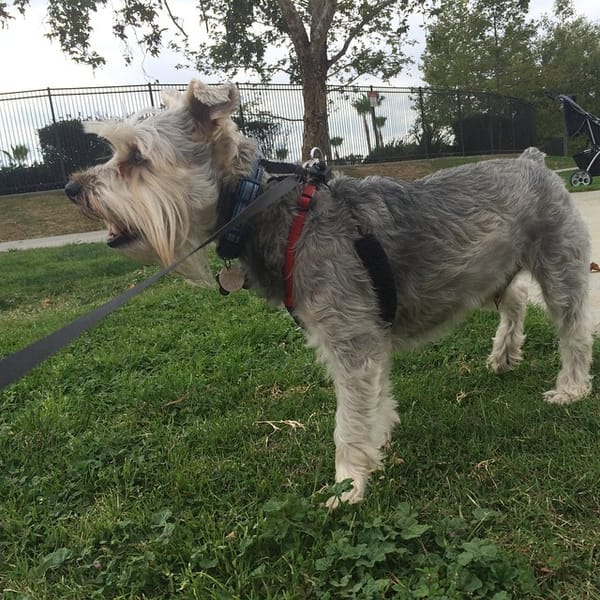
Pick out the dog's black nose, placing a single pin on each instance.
(72, 190)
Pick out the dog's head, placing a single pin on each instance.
(158, 192)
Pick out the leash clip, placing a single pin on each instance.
(316, 168)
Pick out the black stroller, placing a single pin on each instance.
(581, 122)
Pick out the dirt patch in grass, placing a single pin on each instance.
(25, 217)
(412, 169)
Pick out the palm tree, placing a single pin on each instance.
(17, 155)
(336, 142)
(281, 153)
(363, 107)
(379, 123)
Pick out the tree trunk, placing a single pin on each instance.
(311, 51)
(367, 134)
(316, 129)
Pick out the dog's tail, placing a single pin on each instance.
(533, 154)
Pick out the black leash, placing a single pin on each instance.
(17, 365)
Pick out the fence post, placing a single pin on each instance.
(151, 94)
(58, 141)
(242, 124)
(460, 122)
(512, 123)
(423, 123)
(490, 123)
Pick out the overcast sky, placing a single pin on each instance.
(30, 61)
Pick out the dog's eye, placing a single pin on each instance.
(136, 157)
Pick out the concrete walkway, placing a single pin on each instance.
(587, 202)
(55, 241)
(589, 206)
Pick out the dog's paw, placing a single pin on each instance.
(566, 396)
(501, 362)
(347, 491)
(352, 496)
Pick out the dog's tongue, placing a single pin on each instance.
(117, 237)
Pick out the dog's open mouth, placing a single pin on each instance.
(118, 236)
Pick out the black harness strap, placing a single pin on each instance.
(245, 193)
(276, 167)
(375, 260)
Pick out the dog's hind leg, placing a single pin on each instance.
(575, 338)
(565, 286)
(509, 338)
(386, 417)
(365, 415)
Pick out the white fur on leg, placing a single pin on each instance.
(574, 381)
(574, 323)
(359, 366)
(386, 417)
(508, 341)
(356, 452)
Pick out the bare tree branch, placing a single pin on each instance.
(175, 20)
(294, 22)
(322, 15)
(358, 29)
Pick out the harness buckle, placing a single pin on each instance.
(316, 168)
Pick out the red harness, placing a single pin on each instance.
(368, 249)
(304, 202)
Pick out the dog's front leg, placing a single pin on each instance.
(365, 413)
(356, 451)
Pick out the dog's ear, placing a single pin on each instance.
(211, 103)
(94, 127)
(171, 98)
(116, 133)
(103, 129)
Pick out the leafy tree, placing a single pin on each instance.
(379, 124)
(432, 128)
(476, 46)
(263, 128)
(315, 41)
(363, 108)
(482, 45)
(568, 56)
(67, 148)
(281, 153)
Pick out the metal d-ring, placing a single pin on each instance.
(314, 151)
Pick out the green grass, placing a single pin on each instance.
(181, 449)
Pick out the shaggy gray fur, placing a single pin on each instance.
(456, 240)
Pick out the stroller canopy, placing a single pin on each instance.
(579, 121)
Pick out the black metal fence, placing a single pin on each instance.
(42, 140)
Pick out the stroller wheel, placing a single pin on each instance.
(581, 178)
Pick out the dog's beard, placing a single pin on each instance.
(158, 193)
(151, 224)
(135, 246)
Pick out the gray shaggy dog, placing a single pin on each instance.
(454, 241)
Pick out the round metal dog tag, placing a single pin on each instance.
(231, 279)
